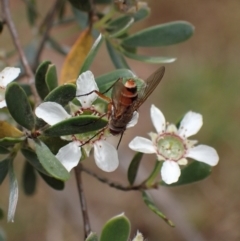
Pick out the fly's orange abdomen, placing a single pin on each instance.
(129, 93)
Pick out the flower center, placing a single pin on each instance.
(170, 146)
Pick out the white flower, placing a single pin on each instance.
(105, 154)
(7, 75)
(172, 146)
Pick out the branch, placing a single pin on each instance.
(46, 25)
(118, 186)
(86, 223)
(12, 29)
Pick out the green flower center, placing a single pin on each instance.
(170, 146)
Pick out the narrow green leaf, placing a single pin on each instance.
(155, 172)
(107, 80)
(27, 89)
(11, 141)
(51, 77)
(4, 150)
(141, 14)
(53, 143)
(133, 167)
(119, 26)
(19, 106)
(40, 82)
(194, 172)
(32, 158)
(31, 11)
(76, 125)
(117, 229)
(29, 179)
(103, 1)
(91, 55)
(117, 58)
(52, 182)
(3, 169)
(148, 59)
(92, 237)
(62, 94)
(13, 196)
(161, 35)
(153, 208)
(82, 5)
(50, 163)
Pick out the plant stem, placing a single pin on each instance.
(118, 186)
(83, 204)
(12, 29)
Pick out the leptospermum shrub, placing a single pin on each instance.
(56, 122)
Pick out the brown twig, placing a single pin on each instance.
(86, 223)
(12, 29)
(118, 186)
(45, 28)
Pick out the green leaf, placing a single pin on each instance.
(117, 58)
(62, 94)
(13, 196)
(32, 158)
(4, 150)
(133, 167)
(102, 1)
(52, 182)
(155, 172)
(3, 169)
(50, 163)
(2, 235)
(161, 35)
(31, 12)
(148, 59)
(19, 106)
(92, 237)
(76, 125)
(107, 80)
(194, 172)
(51, 77)
(53, 143)
(29, 179)
(11, 141)
(117, 229)
(27, 89)
(82, 5)
(40, 78)
(91, 55)
(120, 25)
(153, 208)
(141, 14)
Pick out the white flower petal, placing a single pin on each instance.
(142, 144)
(85, 84)
(106, 156)
(134, 120)
(69, 155)
(51, 112)
(8, 75)
(3, 103)
(158, 119)
(204, 153)
(190, 124)
(170, 172)
(183, 161)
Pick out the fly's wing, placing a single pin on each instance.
(116, 93)
(151, 83)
